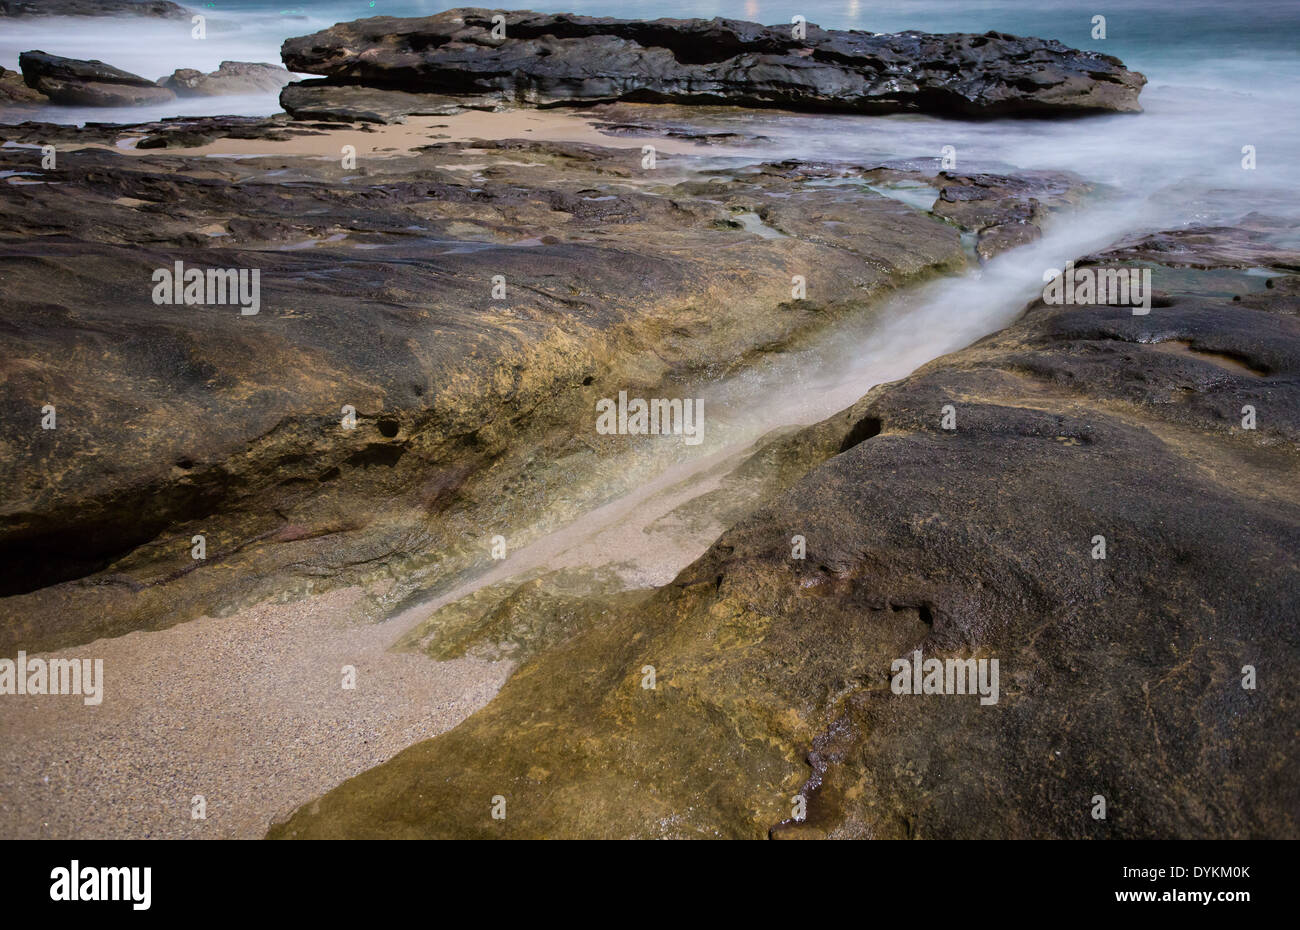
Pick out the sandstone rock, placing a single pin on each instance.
(1248, 244)
(1120, 677)
(354, 103)
(87, 83)
(14, 91)
(232, 77)
(376, 291)
(550, 59)
(1005, 211)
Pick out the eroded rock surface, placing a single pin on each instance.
(1120, 677)
(1005, 212)
(552, 59)
(356, 103)
(376, 292)
(1001, 212)
(13, 90)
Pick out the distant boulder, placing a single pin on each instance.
(233, 77)
(91, 83)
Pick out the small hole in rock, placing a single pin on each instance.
(863, 430)
(388, 428)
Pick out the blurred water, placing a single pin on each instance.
(1221, 76)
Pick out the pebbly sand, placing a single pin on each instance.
(248, 711)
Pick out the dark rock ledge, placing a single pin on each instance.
(564, 59)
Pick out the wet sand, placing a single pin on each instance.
(401, 138)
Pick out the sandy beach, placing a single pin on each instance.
(561, 125)
(248, 711)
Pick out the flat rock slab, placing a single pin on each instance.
(356, 103)
(1121, 678)
(554, 59)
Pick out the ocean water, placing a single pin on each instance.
(1221, 76)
